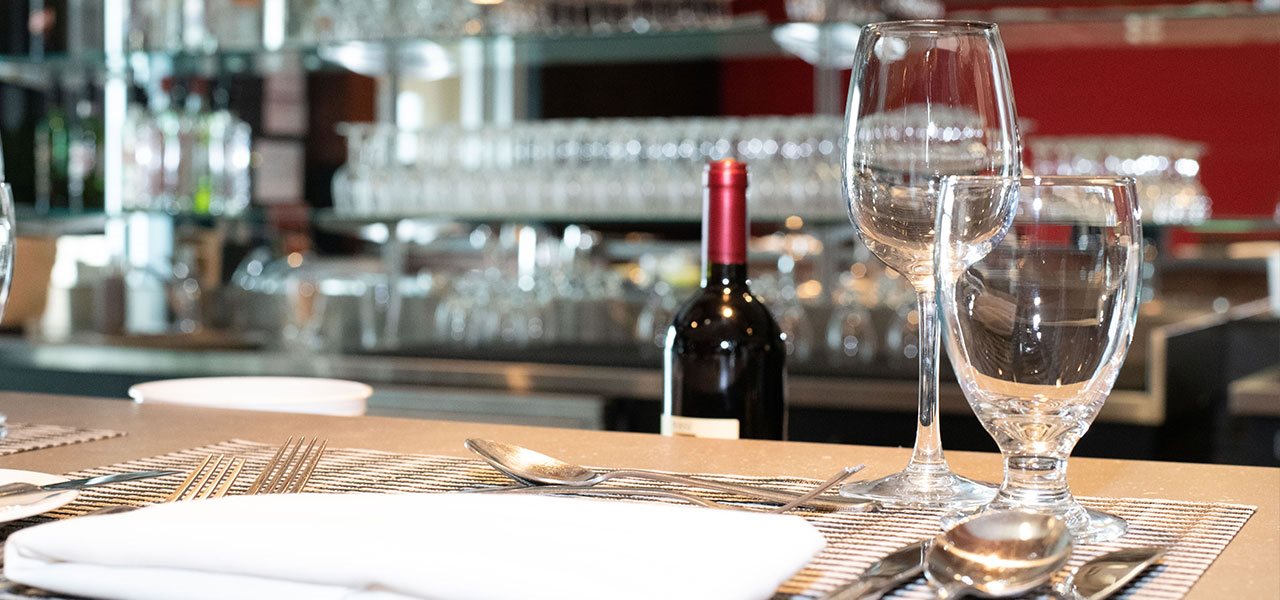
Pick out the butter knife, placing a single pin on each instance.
(884, 575)
(20, 488)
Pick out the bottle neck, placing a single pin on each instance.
(724, 232)
(724, 275)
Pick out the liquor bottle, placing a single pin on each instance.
(194, 137)
(51, 155)
(143, 152)
(85, 186)
(724, 364)
(168, 123)
(229, 150)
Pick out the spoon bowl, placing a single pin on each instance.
(530, 466)
(998, 554)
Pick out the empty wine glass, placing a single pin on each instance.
(7, 241)
(1039, 322)
(927, 99)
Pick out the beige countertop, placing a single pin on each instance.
(1246, 569)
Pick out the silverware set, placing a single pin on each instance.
(542, 474)
(1001, 554)
(994, 554)
(287, 472)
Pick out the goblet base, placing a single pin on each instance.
(1087, 526)
(922, 488)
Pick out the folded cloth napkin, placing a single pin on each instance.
(393, 547)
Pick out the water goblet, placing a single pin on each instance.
(1038, 322)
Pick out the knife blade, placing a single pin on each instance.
(900, 566)
(20, 488)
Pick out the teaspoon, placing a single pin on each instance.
(997, 554)
(536, 468)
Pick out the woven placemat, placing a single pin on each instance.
(1194, 532)
(22, 437)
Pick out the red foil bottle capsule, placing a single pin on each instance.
(724, 213)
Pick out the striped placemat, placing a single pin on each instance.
(1195, 533)
(22, 437)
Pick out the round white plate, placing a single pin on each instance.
(281, 394)
(21, 507)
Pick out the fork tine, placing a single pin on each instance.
(295, 468)
(308, 468)
(266, 471)
(284, 467)
(211, 479)
(234, 468)
(182, 489)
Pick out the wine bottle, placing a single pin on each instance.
(724, 363)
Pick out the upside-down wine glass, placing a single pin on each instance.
(1038, 324)
(927, 99)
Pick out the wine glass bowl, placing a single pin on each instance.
(927, 100)
(1039, 325)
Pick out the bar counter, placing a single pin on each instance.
(1246, 569)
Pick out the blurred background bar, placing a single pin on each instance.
(489, 210)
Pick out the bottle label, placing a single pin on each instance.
(722, 429)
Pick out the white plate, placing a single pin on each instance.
(281, 394)
(32, 505)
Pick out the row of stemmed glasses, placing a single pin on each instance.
(356, 20)
(1166, 169)
(1036, 277)
(600, 167)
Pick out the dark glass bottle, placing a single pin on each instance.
(51, 155)
(85, 159)
(724, 366)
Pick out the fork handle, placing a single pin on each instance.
(765, 493)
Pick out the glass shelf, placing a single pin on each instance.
(748, 37)
(438, 57)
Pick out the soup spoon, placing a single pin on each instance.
(997, 554)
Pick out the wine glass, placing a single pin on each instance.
(927, 99)
(8, 239)
(1039, 322)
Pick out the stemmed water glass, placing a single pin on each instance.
(927, 99)
(1039, 321)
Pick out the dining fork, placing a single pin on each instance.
(291, 467)
(212, 479)
(218, 472)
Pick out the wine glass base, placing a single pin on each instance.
(1087, 526)
(922, 489)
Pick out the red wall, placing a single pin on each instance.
(1226, 97)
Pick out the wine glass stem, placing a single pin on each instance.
(927, 455)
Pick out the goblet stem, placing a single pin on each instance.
(1033, 481)
(927, 455)
(1038, 483)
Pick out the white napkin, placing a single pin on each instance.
(384, 547)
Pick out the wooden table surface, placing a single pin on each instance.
(1248, 568)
